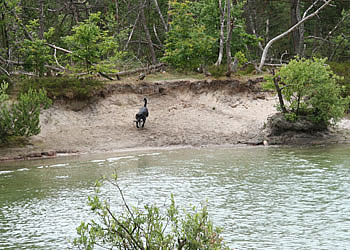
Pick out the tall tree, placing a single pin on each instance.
(304, 19)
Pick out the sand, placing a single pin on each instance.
(182, 113)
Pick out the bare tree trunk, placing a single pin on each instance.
(41, 20)
(222, 26)
(229, 38)
(161, 16)
(147, 32)
(298, 33)
(222, 35)
(116, 4)
(305, 18)
(279, 92)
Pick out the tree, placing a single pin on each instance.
(22, 117)
(90, 45)
(187, 46)
(304, 19)
(36, 54)
(147, 228)
(310, 91)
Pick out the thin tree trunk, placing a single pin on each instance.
(229, 38)
(147, 32)
(41, 20)
(116, 4)
(304, 19)
(161, 15)
(222, 35)
(298, 33)
(279, 92)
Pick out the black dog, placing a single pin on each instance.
(142, 115)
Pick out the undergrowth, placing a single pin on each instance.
(64, 87)
(342, 69)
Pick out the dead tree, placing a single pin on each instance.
(304, 19)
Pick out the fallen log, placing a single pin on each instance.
(138, 70)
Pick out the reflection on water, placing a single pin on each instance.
(272, 198)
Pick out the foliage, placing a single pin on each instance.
(147, 228)
(342, 69)
(187, 45)
(310, 90)
(64, 87)
(35, 52)
(218, 71)
(91, 46)
(187, 36)
(22, 117)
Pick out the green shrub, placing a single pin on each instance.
(147, 228)
(310, 90)
(64, 87)
(21, 118)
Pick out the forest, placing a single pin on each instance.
(104, 37)
(62, 49)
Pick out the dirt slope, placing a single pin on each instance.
(195, 113)
(182, 113)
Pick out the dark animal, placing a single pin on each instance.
(142, 76)
(142, 115)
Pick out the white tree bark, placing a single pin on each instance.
(222, 35)
(304, 19)
(161, 16)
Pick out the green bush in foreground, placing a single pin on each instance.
(21, 118)
(147, 228)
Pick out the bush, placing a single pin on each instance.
(64, 87)
(310, 90)
(22, 117)
(148, 228)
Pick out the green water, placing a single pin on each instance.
(263, 198)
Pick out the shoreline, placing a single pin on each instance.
(183, 114)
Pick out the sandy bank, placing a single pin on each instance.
(182, 113)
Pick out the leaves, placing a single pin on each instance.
(187, 45)
(148, 228)
(91, 45)
(310, 89)
(22, 117)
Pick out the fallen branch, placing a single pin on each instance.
(70, 52)
(138, 70)
(5, 71)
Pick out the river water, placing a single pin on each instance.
(263, 197)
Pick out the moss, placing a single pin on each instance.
(64, 87)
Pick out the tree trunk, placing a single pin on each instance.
(305, 18)
(116, 16)
(161, 16)
(222, 35)
(229, 37)
(41, 20)
(279, 92)
(147, 32)
(298, 33)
